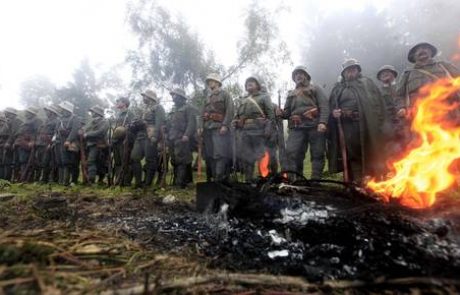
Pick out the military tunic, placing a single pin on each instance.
(181, 122)
(217, 112)
(96, 148)
(122, 140)
(68, 131)
(44, 146)
(146, 145)
(303, 129)
(254, 118)
(25, 146)
(12, 167)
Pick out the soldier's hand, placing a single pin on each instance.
(66, 144)
(322, 127)
(279, 112)
(223, 130)
(31, 144)
(7, 146)
(401, 113)
(337, 113)
(199, 131)
(185, 138)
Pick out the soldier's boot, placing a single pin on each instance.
(149, 176)
(45, 175)
(181, 176)
(100, 179)
(221, 170)
(60, 175)
(66, 176)
(137, 173)
(248, 172)
(189, 173)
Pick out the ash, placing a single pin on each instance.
(314, 236)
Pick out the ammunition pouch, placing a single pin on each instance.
(295, 120)
(216, 117)
(119, 133)
(350, 115)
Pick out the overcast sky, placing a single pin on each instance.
(51, 37)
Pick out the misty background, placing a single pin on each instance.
(91, 52)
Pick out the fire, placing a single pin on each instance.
(427, 168)
(264, 169)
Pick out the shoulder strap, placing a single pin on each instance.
(256, 105)
(443, 67)
(427, 73)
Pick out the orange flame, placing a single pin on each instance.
(264, 169)
(424, 171)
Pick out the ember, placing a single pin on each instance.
(426, 170)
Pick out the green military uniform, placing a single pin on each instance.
(146, 143)
(122, 143)
(254, 118)
(44, 153)
(181, 123)
(11, 161)
(413, 79)
(273, 142)
(4, 134)
(363, 115)
(95, 133)
(68, 144)
(392, 131)
(25, 144)
(305, 108)
(217, 112)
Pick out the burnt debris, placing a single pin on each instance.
(316, 230)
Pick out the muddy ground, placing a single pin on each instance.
(112, 241)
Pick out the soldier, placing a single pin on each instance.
(253, 119)
(11, 157)
(358, 115)
(181, 129)
(95, 135)
(217, 116)
(122, 142)
(387, 75)
(4, 134)
(146, 143)
(44, 145)
(307, 112)
(25, 144)
(68, 144)
(425, 70)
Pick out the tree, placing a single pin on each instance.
(82, 91)
(168, 52)
(37, 91)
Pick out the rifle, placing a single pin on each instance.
(110, 166)
(280, 133)
(164, 159)
(343, 147)
(199, 154)
(125, 161)
(30, 163)
(83, 161)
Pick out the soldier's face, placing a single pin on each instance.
(120, 105)
(147, 101)
(252, 86)
(351, 73)
(387, 77)
(300, 77)
(422, 54)
(213, 84)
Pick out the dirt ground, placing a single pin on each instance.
(79, 241)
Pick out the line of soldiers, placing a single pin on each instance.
(359, 126)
